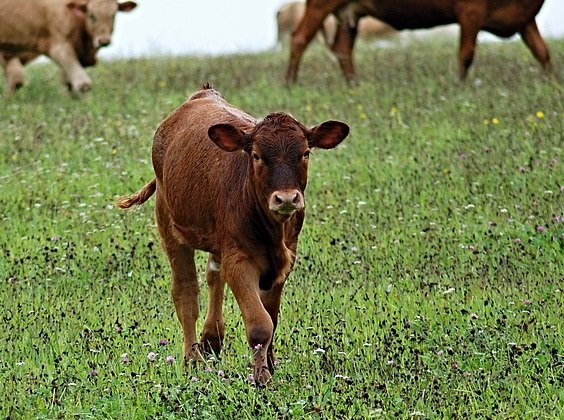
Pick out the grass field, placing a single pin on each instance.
(430, 273)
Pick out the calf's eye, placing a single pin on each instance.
(256, 157)
(306, 155)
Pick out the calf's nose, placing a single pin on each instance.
(286, 201)
(104, 41)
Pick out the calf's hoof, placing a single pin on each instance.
(193, 355)
(352, 80)
(262, 375)
(211, 345)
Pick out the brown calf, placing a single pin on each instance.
(500, 17)
(234, 187)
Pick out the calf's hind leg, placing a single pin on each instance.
(184, 285)
(214, 325)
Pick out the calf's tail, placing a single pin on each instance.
(139, 197)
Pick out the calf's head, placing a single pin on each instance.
(278, 150)
(99, 17)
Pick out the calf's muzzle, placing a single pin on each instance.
(286, 201)
(103, 41)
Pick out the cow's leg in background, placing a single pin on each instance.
(533, 39)
(214, 325)
(470, 21)
(302, 36)
(65, 57)
(343, 46)
(271, 302)
(243, 279)
(14, 74)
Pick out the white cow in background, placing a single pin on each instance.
(67, 31)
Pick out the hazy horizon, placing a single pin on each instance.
(179, 27)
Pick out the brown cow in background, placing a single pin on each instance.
(503, 18)
(232, 186)
(56, 28)
(290, 14)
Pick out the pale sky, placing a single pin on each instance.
(226, 26)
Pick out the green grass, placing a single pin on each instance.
(430, 273)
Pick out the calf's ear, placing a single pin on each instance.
(328, 134)
(228, 137)
(127, 6)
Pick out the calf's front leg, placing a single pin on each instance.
(243, 279)
(271, 302)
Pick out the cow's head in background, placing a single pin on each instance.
(99, 17)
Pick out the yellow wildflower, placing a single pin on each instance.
(495, 121)
(540, 115)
